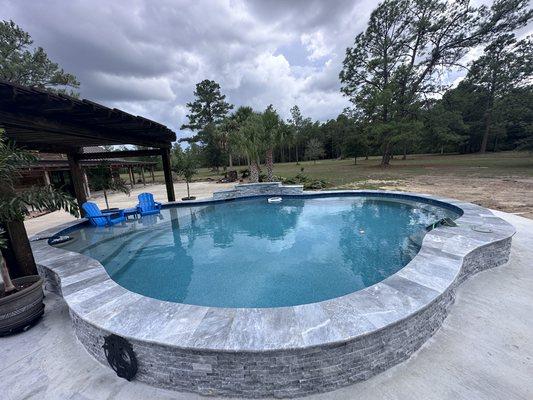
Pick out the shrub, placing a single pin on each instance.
(308, 183)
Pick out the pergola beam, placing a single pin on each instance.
(39, 127)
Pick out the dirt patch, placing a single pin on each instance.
(370, 184)
(509, 194)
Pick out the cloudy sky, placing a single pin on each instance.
(146, 56)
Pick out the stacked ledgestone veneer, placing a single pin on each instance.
(258, 189)
(287, 351)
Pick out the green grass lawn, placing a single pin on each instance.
(343, 172)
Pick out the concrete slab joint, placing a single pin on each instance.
(287, 351)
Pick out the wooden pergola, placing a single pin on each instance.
(36, 119)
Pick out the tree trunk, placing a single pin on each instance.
(188, 192)
(386, 157)
(296, 148)
(18, 255)
(441, 149)
(488, 123)
(8, 284)
(484, 141)
(270, 165)
(254, 172)
(355, 160)
(105, 198)
(404, 152)
(230, 161)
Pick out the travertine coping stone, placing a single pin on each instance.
(285, 351)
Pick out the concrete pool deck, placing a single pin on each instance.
(484, 349)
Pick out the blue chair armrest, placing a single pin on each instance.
(158, 204)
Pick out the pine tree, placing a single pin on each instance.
(24, 64)
(396, 62)
(505, 64)
(205, 113)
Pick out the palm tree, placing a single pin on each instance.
(224, 131)
(233, 125)
(249, 141)
(271, 123)
(15, 204)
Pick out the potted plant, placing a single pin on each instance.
(21, 298)
(101, 178)
(186, 165)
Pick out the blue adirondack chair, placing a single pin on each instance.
(147, 205)
(97, 218)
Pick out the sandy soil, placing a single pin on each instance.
(512, 195)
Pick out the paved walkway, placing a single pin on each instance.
(121, 200)
(484, 349)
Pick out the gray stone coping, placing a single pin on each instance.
(97, 300)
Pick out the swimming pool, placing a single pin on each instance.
(251, 253)
(278, 351)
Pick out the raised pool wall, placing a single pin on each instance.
(287, 351)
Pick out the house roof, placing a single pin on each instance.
(54, 161)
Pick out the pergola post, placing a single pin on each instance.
(46, 177)
(86, 183)
(165, 155)
(76, 174)
(130, 175)
(152, 172)
(142, 175)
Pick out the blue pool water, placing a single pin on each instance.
(249, 253)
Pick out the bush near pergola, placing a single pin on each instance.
(14, 205)
(186, 165)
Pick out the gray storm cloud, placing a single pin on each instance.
(146, 56)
